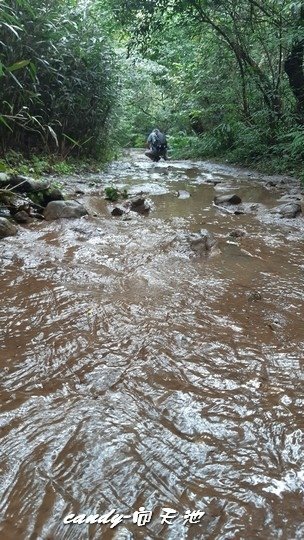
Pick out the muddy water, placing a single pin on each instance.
(135, 373)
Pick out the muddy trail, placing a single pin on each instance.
(137, 372)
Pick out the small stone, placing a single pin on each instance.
(227, 199)
(140, 205)
(182, 194)
(237, 233)
(254, 296)
(201, 241)
(117, 211)
(22, 217)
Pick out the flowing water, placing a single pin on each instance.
(136, 373)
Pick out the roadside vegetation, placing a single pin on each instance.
(81, 79)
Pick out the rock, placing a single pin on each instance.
(272, 183)
(140, 205)
(27, 184)
(227, 199)
(254, 296)
(201, 241)
(22, 217)
(290, 198)
(7, 228)
(182, 194)
(237, 233)
(17, 204)
(52, 194)
(290, 210)
(64, 209)
(118, 211)
(295, 191)
(275, 182)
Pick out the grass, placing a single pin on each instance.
(39, 165)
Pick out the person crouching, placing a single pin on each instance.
(157, 144)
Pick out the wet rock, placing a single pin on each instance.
(239, 211)
(227, 199)
(237, 233)
(26, 184)
(275, 182)
(22, 217)
(290, 197)
(7, 228)
(17, 204)
(64, 209)
(254, 296)
(52, 194)
(290, 210)
(118, 211)
(140, 205)
(272, 183)
(182, 194)
(201, 241)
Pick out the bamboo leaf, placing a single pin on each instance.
(5, 123)
(18, 65)
(70, 139)
(12, 28)
(53, 133)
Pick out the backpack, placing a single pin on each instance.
(160, 140)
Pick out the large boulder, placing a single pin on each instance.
(64, 209)
(227, 199)
(26, 184)
(290, 210)
(51, 194)
(7, 228)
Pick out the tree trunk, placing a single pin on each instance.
(295, 72)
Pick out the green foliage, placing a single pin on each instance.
(224, 78)
(39, 165)
(113, 194)
(57, 76)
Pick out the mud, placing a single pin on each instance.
(136, 374)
